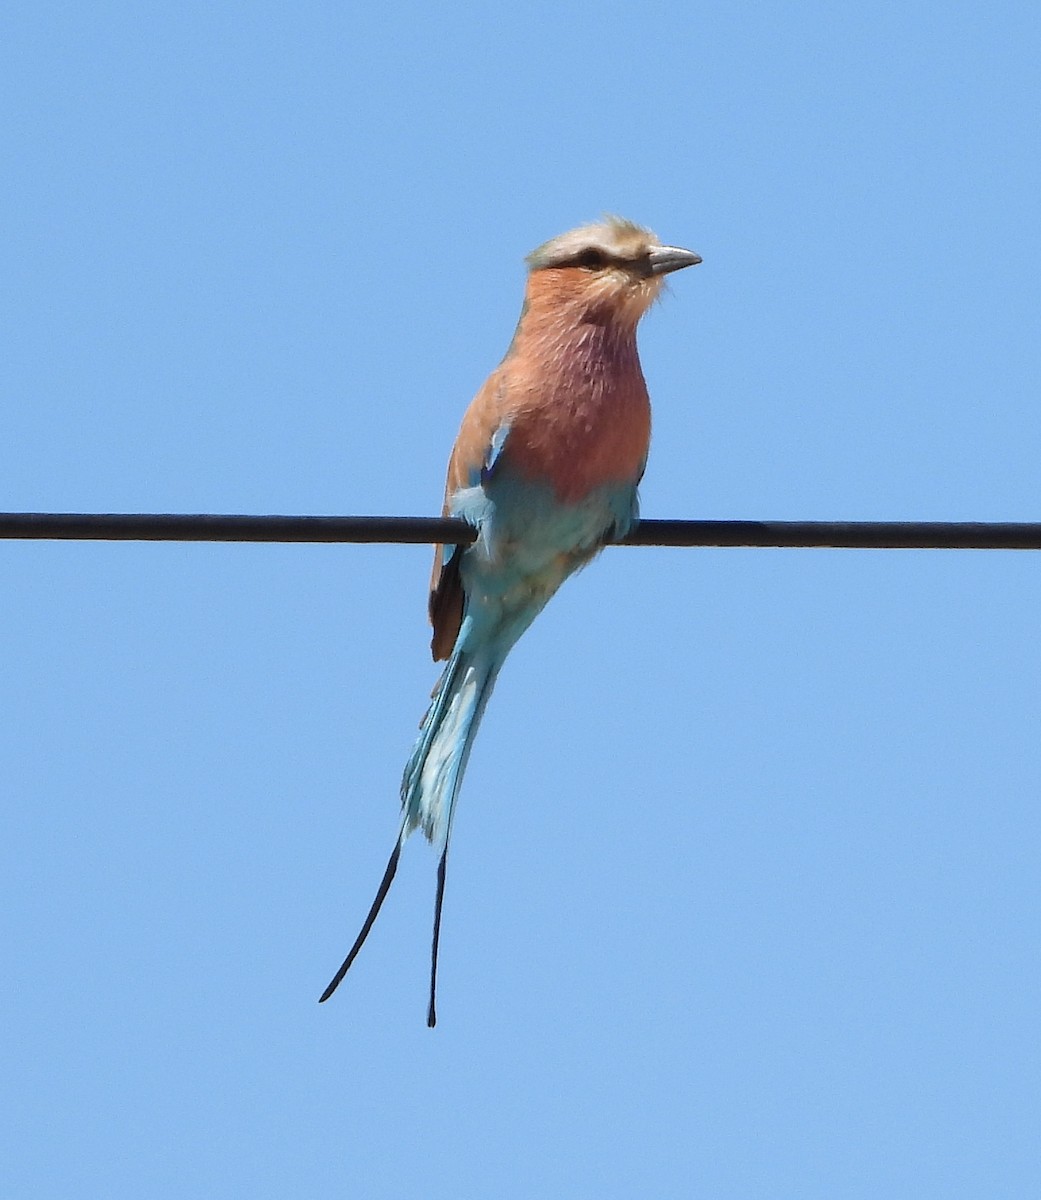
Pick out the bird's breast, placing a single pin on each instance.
(582, 420)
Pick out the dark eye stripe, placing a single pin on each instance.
(591, 259)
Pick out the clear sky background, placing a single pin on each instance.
(744, 899)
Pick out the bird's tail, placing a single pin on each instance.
(430, 784)
(435, 770)
(432, 778)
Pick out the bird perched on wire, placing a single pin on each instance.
(545, 468)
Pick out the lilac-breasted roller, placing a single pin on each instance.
(545, 468)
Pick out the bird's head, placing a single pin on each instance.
(612, 270)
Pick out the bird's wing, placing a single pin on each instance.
(481, 439)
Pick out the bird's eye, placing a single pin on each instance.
(591, 259)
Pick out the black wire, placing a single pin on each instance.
(196, 527)
(176, 527)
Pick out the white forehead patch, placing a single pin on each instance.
(614, 237)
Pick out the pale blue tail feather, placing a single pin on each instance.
(435, 769)
(432, 778)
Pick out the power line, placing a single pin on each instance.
(198, 527)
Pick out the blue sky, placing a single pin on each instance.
(744, 896)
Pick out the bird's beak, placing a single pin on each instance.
(671, 258)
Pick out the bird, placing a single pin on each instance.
(545, 468)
